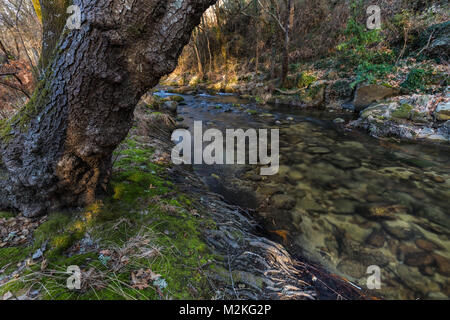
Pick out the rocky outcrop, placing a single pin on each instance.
(408, 117)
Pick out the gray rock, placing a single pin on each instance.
(377, 238)
(344, 206)
(400, 229)
(367, 94)
(38, 254)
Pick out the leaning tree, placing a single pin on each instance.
(56, 151)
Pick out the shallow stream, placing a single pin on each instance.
(341, 199)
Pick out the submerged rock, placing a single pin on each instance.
(419, 259)
(344, 206)
(382, 211)
(426, 245)
(401, 230)
(377, 238)
(318, 150)
(442, 264)
(352, 268)
(283, 201)
(170, 106)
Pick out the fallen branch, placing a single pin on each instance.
(428, 44)
(290, 92)
(12, 86)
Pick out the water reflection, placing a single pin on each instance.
(343, 199)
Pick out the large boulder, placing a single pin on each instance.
(367, 94)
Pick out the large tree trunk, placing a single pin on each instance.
(57, 151)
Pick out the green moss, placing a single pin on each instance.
(176, 98)
(143, 200)
(6, 215)
(405, 111)
(305, 79)
(418, 79)
(10, 257)
(259, 100)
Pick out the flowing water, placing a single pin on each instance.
(341, 199)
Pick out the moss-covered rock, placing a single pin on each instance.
(408, 117)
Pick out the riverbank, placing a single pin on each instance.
(157, 234)
(383, 109)
(342, 199)
(403, 95)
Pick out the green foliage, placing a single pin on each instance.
(9, 257)
(360, 45)
(305, 79)
(405, 111)
(369, 72)
(418, 79)
(6, 215)
(362, 48)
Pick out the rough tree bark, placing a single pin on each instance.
(288, 22)
(57, 151)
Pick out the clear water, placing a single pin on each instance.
(342, 199)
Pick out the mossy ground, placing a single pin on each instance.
(143, 212)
